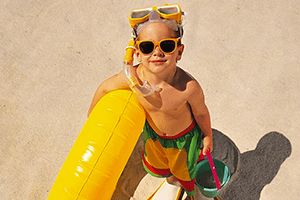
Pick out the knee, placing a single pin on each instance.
(172, 180)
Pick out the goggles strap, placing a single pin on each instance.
(180, 31)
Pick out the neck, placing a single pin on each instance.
(156, 79)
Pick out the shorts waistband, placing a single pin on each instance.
(188, 129)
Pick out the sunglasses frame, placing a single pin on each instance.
(176, 40)
(136, 16)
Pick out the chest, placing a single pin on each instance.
(168, 100)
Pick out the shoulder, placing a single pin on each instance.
(193, 88)
(119, 77)
(116, 81)
(194, 91)
(190, 83)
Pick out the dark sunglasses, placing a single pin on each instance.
(167, 46)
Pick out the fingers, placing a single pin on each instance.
(205, 149)
(207, 145)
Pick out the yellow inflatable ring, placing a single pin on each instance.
(102, 149)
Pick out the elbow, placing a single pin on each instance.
(201, 116)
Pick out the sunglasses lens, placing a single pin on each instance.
(168, 46)
(146, 47)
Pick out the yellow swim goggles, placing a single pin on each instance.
(167, 11)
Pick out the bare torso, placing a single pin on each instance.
(171, 109)
(168, 111)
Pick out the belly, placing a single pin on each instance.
(168, 112)
(168, 124)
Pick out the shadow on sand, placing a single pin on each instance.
(250, 171)
(257, 168)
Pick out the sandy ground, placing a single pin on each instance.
(54, 54)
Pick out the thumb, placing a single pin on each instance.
(204, 151)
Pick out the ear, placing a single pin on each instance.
(138, 55)
(180, 52)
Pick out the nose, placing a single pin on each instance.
(157, 51)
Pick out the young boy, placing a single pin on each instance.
(176, 112)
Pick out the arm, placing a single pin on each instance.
(201, 114)
(115, 82)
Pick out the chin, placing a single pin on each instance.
(158, 68)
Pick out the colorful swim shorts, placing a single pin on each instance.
(177, 155)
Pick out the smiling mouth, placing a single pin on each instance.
(158, 61)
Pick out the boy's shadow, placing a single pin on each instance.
(255, 168)
(250, 171)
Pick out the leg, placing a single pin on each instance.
(173, 181)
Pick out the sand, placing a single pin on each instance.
(245, 54)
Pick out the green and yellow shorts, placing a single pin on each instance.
(177, 155)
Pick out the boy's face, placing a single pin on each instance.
(158, 61)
